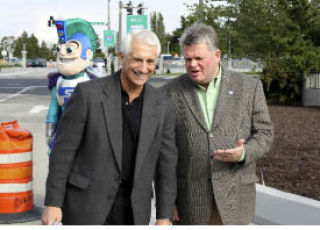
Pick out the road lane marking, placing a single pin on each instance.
(20, 92)
(11, 87)
(38, 108)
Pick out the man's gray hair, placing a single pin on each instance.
(144, 36)
(198, 33)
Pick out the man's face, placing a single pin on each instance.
(139, 65)
(69, 62)
(202, 64)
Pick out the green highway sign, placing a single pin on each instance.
(108, 38)
(137, 22)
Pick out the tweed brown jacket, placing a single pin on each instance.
(241, 112)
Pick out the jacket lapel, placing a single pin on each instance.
(193, 103)
(111, 104)
(227, 91)
(147, 128)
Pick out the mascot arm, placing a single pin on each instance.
(52, 116)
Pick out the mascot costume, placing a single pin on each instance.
(75, 50)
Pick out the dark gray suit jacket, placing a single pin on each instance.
(241, 112)
(85, 163)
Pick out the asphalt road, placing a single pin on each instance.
(24, 97)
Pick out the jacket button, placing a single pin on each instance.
(117, 179)
(210, 135)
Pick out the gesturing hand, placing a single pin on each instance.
(230, 155)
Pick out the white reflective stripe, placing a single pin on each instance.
(14, 188)
(15, 157)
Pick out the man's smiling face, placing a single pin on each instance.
(69, 61)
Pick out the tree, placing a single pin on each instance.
(23, 39)
(157, 26)
(204, 14)
(33, 48)
(7, 43)
(31, 45)
(283, 34)
(99, 52)
(44, 51)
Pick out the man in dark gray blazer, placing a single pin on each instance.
(115, 136)
(223, 127)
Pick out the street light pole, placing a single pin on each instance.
(109, 22)
(168, 50)
(200, 10)
(120, 26)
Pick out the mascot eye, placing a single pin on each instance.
(58, 48)
(69, 49)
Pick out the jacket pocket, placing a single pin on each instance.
(79, 181)
(248, 179)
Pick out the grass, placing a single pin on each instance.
(9, 66)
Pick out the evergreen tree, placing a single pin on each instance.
(99, 52)
(44, 51)
(157, 26)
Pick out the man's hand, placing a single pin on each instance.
(163, 222)
(175, 214)
(230, 155)
(51, 215)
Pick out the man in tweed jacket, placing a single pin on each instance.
(223, 127)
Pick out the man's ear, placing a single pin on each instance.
(89, 54)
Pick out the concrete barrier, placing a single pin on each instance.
(281, 208)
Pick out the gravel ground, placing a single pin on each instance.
(293, 164)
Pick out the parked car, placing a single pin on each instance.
(38, 62)
(28, 63)
(99, 64)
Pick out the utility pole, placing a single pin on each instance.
(129, 7)
(108, 49)
(120, 27)
(200, 9)
(109, 22)
(24, 55)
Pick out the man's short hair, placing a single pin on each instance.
(145, 36)
(198, 33)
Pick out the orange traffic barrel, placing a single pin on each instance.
(16, 193)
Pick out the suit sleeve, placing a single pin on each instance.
(166, 178)
(69, 134)
(261, 128)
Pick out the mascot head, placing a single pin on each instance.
(76, 46)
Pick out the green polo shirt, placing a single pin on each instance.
(208, 99)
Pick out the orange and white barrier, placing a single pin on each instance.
(16, 193)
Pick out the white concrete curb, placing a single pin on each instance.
(276, 207)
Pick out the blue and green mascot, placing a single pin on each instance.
(75, 50)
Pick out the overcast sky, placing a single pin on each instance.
(17, 16)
